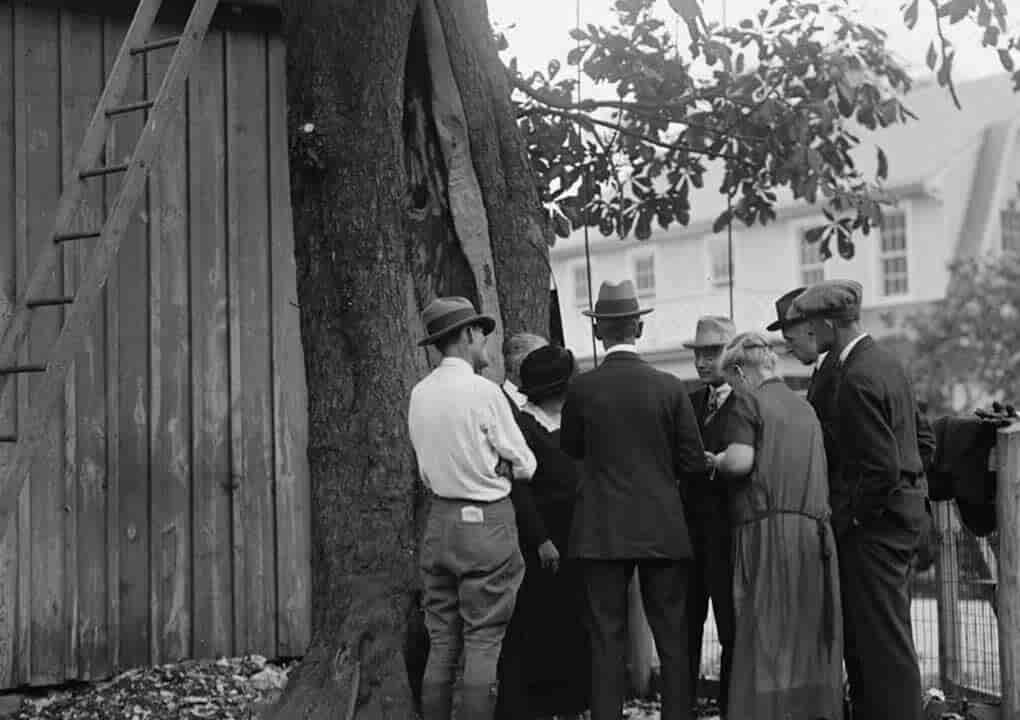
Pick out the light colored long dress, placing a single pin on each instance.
(788, 645)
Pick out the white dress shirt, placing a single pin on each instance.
(461, 426)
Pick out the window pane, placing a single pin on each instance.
(893, 251)
(1011, 230)
(719, 260)
(810, 276)
(644, 275)
(581, 285)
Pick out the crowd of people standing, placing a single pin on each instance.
(797, 518)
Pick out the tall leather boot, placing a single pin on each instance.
(477, 702)
(436, 701)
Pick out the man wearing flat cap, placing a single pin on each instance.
(463, 432)
(635, 431)
(708, 516)
(878, 499)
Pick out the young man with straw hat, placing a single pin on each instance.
(463, 432)
(635, 431)
(708, 504)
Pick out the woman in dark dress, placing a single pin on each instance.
(544, 664)
(788, 644)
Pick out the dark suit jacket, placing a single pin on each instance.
(635, 430)
(876, 432)
(710, 499)
(822, 396)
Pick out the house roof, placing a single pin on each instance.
(917, 151)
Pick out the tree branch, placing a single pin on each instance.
(942, 49)
(578, 118)
(648, 109)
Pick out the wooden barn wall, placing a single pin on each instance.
(170, 517)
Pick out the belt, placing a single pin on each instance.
(828, 600)
(469, 501)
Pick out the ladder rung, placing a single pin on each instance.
(8, 438)
(156, 45)
(130, 107)
(17, 369)
(47, 302)
(108, 170)
(68, 237)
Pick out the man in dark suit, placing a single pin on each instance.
(708, 515)
(878, 500)
(635, 431)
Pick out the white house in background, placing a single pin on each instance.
(953, 173)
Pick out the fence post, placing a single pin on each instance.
(947, 595)
(1008, 591)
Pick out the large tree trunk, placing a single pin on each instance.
(388, 214)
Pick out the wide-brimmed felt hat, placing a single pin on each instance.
(783, 308)
(445, 315)
(545, 371)
(712, 331)
(617, 301)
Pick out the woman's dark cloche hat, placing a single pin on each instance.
(445, 315)
(545, 370)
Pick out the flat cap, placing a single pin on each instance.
(831, 299)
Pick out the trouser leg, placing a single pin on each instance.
(606, 583)
(664, 587)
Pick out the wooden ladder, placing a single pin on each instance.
(82, 307)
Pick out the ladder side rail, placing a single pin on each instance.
(82, 314)
(19, 321)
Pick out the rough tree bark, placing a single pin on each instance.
(380, 229)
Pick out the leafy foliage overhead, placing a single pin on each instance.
(778, 100)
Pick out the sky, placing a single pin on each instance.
(541, 28)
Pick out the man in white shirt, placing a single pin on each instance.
(463, 431)
(518, 347)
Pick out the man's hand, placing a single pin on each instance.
(549, 556)
(505, 469)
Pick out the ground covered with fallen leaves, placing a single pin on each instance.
(224, 689)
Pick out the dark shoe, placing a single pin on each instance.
(477, 702)
(436, 701)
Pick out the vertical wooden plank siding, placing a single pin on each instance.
(293, 493)
(171, 384)
(212, 616)
(132, 301)
(23, 646)
(249, 228)
(42, 100)
(111, 340)
(8, 403)
(171, 517)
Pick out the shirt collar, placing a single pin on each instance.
(621, 349)
(850, 346)
(456, 363)
(511, 389)
(721, 392)
(547, 420)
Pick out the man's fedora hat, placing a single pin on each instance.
(712, 331)
(445, 315)
(617, 301)
(782, 310)
(546, 371)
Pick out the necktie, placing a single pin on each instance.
(712, 406)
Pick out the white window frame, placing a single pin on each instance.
(713, 241)
(579, 278)
(800, 233)
(883, 255)
(647, 256)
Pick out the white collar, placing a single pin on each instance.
(456, 363)
(621, 349)
(511, 389)
(845, 353)
(721, 392)
(547, 420)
